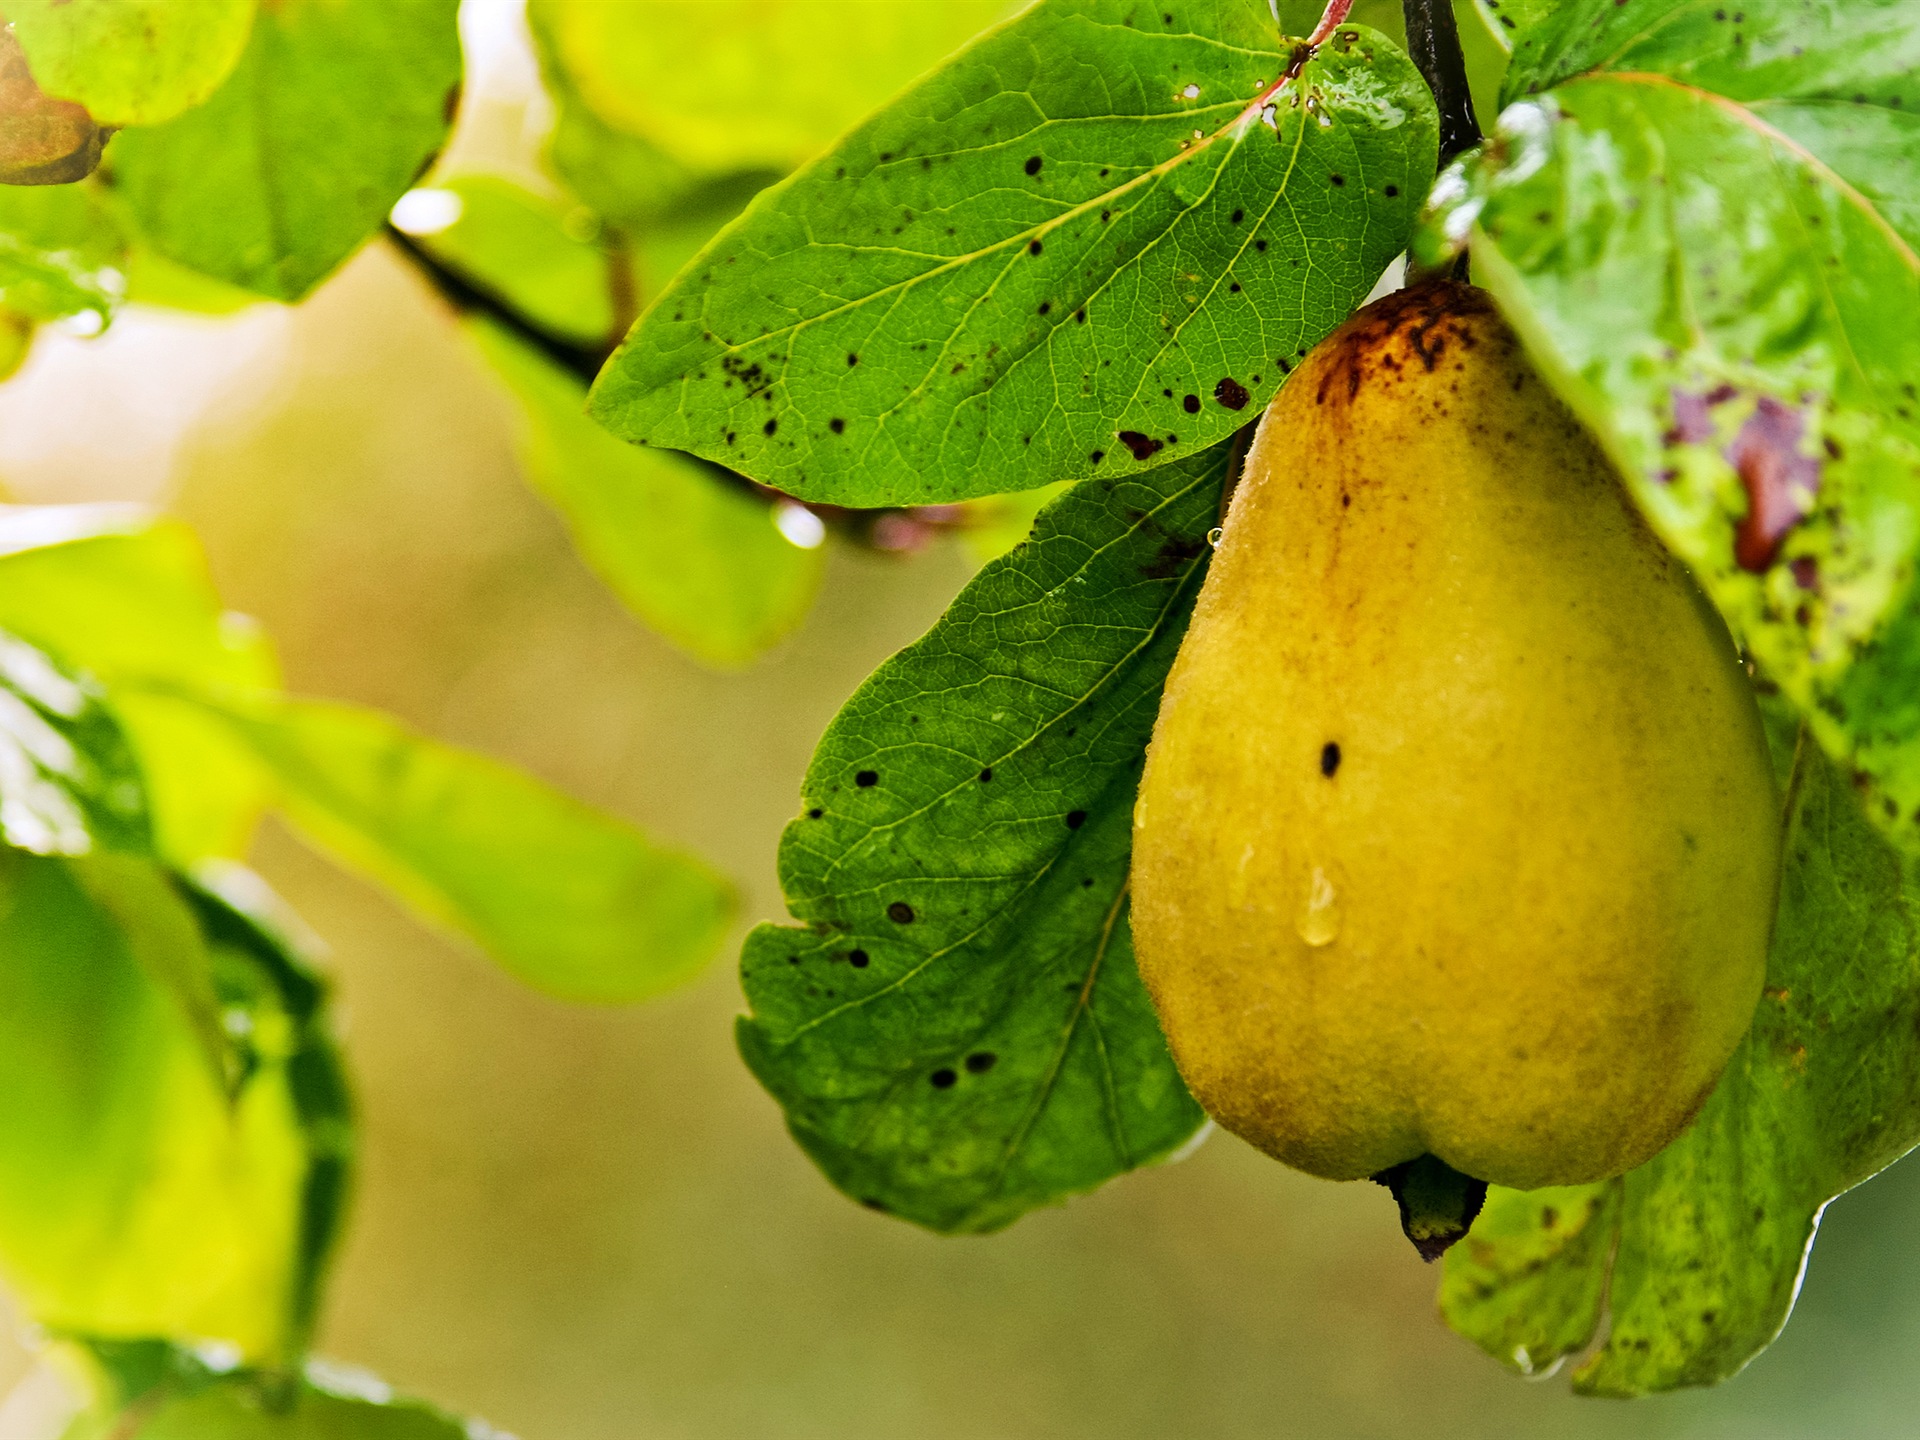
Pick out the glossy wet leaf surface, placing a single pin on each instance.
(1091, 243)
(695, 556)
(1707, 1241)
(332, 112)
(957, 1033)
(132, 62)
(1705, 221)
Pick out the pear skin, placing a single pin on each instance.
(1458, 834)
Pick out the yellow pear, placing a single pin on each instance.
(1458, 835)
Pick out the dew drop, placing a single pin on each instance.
(1214, 536)
(1319, 922)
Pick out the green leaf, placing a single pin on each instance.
(132, 62)
(997, 524)
(1708, 1240)
(566, 897)
(535, 253)
(61, 253)
(1096, 239)
(152, 279)
(69, 783)
(676, 71)
(140, 1195)
(334, 110)
(1529, 1282)
(275, 1007)
(160, 934)
(125, 596)
(626, 180)
(151, 1390)
(697, 558)
(1508, 18)
(242, 1412)
(958, 1034)
(1708, 232)
(651, 202)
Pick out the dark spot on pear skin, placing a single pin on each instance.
(1329, 758)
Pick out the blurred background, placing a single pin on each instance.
(586, 1223)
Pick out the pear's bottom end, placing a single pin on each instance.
(1437, 1203)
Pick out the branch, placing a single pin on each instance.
(888, 528)
(1434, 42)
(468, 298)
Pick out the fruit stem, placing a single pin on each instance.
(1437, 1203)
(1434, 42)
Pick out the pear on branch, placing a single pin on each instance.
(1458, 836)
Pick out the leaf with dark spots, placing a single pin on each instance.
(1780, 481)
(1174, 555)
(1706, 1243)
(1692, 419)
(1726, 288)
(1143, 447)
(1231, 393)
(1017, 976)
(1125, 216)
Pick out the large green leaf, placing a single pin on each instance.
(333, 112)
(140, 1192)
(1095, 240)
(61, 253)
(1705, 224)
(69, 783)
(700, 560)
(958, 1034)
(566, 897)
(125, 596)
(132, 62)
(675, 71)
(1706, 1242)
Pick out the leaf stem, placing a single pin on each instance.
(1434, 42)
(1330, 18)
